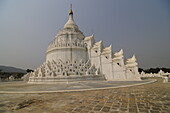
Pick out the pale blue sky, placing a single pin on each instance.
(140, 27)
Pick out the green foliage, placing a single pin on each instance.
(29, 70)
(140, 70)
(154, 70)
(8, 74)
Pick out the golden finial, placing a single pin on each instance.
(71, 12)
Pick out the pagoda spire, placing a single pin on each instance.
(70, 23)
(71, 11)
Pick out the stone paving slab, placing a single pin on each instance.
(23, 87)
(148, 98)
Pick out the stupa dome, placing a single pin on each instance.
(68, 44)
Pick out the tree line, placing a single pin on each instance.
(154, 70)
(16, 75)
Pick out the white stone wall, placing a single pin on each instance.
(67, 54)
(159, 74)
(118, 72)
(106, 65)
(95, 59)
(113, 68)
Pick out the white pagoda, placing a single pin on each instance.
(74, 57)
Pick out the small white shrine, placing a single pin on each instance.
(74, 57)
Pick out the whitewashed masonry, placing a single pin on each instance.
(72, 56)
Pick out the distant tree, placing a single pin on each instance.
(156, 70)
(18, 75)
(152, 70)
(29, 70)
(5, 75)
(147, 71)
(140, 70)
(166, 70)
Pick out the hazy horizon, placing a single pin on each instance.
(139, 27)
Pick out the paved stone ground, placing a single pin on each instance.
(23, 87)
(150, 98)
